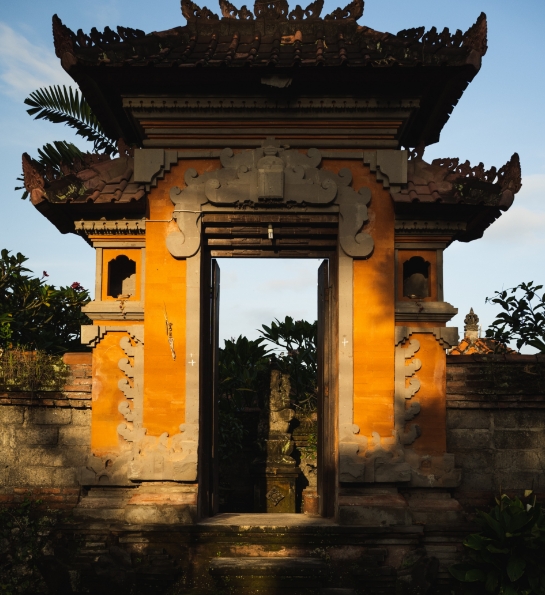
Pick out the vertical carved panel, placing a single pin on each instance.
(132, 387)
(406, 386)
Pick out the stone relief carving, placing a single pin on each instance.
(270, 177)
(405, 369)
(389, 459)
(143, 458)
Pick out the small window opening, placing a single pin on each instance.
(121, 277)
(416, 273)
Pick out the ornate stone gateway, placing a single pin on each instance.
(275, 134)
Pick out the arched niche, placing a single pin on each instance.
(121, 277)
(416, 278)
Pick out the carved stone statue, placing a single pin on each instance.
(276, 471)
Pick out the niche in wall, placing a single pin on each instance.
(416, 278)
(121, 277)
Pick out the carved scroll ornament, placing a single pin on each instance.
(142, 457)
(270, 177)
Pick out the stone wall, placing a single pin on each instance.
(44, 437)
(495, 417)
(496, 424)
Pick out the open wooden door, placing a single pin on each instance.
(326, 431)
(208, 450)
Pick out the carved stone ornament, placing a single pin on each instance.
(471, 321)
(275, 495)
(271, 10)
(406, 366)
(143, 458)
(381, 459)
(354, 10)
(230, 11)
(270, 177)
(192, 12)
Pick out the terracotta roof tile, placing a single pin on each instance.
(447, 183)
(306, 41)
(100, 181)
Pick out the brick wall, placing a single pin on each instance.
(496, 423)
(44, 437)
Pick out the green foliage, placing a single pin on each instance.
(522, 319)
(507, 556)
(24, 532)
(35, 315)
(31, 371)
(298, 340)
(243, 379)
(62, 105)
(243, 372)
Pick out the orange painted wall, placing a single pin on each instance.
(374, 316)
(431, 396)
(106, 395)
(165, 287)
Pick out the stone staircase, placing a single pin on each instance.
(255, 554)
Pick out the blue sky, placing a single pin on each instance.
(501, 112)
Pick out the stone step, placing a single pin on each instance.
(268, 576)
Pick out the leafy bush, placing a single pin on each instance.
(298, 338)
(507, 556)
(31, 371)
(35, 315)
(522, 319)
(24, 533)
(243, 380)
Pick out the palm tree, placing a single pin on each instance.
(65, 105)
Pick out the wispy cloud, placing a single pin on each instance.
(25, 66)
(524, 222)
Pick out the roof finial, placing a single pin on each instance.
(471, 326)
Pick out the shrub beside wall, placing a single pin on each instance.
(45, 436)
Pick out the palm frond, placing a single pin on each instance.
(62, 105)
(53, 155)
(60, 151)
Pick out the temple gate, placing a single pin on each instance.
(275, 134)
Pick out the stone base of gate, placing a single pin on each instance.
(271, 554)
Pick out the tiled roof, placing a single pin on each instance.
(277, 38)
(480, 346)
(96, 183)
(445, 183)
(449, 181)
(97, 179)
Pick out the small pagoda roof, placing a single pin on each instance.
(447, 189)
(228, 55)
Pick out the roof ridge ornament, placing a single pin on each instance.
(271, 10)
(193, 12)
(354, 10)
(230, 11)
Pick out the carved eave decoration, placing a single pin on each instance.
(447, 197)
(267, 178)
(272, 35)
(174, 47)
(92, 187)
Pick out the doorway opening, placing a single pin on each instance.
(265, 400)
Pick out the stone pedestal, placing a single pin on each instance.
(276, 472)
(274, 488)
